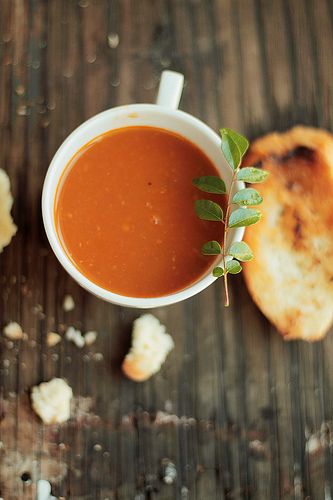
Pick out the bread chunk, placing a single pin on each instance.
(13, 331)
(51, 401)
(150, 347)
(291, 275)
(52, 339)
(7, 226)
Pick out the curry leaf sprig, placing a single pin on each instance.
(234, 147)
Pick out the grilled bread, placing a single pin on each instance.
(291, 275)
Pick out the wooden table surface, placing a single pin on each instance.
(238, 411)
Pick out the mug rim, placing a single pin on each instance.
(49, 223)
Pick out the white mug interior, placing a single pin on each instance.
(154, 115)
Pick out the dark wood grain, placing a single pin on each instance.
(240, 413)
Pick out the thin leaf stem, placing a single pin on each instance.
(225, 233)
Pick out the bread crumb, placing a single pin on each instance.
(68, 303)
(150, 347)
(90, 337)
(53, 339)
(44, 490)
(98, 356)
(13, 331)
(80, 340)
(313, 444)
(169, 471)
(51, 401)
(7, 226)
(113, 40)
(75, 336)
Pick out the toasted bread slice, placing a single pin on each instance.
(291, 275)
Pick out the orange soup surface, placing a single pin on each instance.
(125, 214)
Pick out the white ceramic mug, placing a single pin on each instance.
(163, 114)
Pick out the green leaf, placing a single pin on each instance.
(252, 175)
(244, 217)
(208, 210)
(230, 151)
(218, 272)
(241, 251)
(240, 140)
(233, 267)
(210, 184)
(233, 146)
(247, 197)
(211, 248)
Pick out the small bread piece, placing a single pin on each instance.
(291, 275)
(51, 401)
(68, 303)
(52, 339)
(7, 226)
(90, 337)
(13, 331)
(150, 347)
(75, 336)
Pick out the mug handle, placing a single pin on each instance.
(170, 89)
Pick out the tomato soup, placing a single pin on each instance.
(125, 215)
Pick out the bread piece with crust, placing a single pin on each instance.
(7, 226)
(150, 347)
(291, 275)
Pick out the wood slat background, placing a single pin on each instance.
(239, 412)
